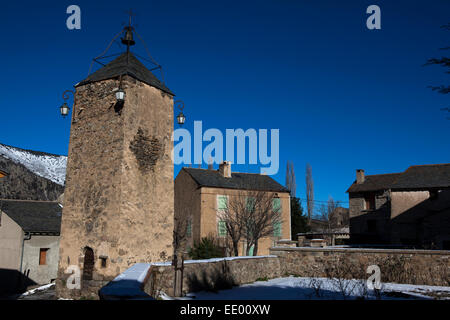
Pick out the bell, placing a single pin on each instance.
(128, 39)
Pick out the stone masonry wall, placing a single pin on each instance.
(401, 266)
(119, 185)
(213, 274)
(429, 267)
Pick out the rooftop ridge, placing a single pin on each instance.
(216, 170)
(428, 165)
(238, 181)
(384, 174)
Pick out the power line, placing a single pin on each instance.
(322, 201)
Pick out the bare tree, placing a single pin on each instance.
(180, 237)
(290, 179)
(180, 234)
(262, 219)
(328, 212)
(251, 215)
(443, 62)
(234, 218)
(309, 192)
(182, 228)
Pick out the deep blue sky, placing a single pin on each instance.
(344, 97)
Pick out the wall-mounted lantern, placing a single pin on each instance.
(181, 119)
(120, 95)
(65, 109)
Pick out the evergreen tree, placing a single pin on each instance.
(299, 222)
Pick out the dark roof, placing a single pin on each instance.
(134, 68)
(34, 216)
(375, 182)
(424, 177)
(416, 177)
(238, 180)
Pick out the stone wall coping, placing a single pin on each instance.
(128, 284)
(363, 250)
(165, 264)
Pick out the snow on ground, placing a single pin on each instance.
(298, 288)
(128, 284)
(52, 167)
(41, 288)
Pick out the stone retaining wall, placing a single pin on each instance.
(212, 274)
(428, 267)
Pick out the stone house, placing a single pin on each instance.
(411, 208)
(201, 193)
(29, 243)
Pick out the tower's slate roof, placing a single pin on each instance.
(34, 216)
(123, 66)
(238, 180)
(418, 177)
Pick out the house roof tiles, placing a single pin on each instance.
(34, 216)
(238, 180)
(417, 177)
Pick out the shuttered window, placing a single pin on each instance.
(222, 228)
(189, 228)
(222, 202)
(277, 229)
(370, 201)
(251, 202)
(276, 205)
(43, 256)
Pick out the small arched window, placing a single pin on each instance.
(88, 266)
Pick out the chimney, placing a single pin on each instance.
(225, 169)
(360, 176)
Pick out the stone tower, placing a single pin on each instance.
(118, 200)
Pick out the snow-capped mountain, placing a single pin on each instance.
(46, 165)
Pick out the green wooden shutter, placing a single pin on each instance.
(276, 205)
(250, 203)
(189, 228)
(222, 228)
(250, 252)
(222, 203)
(277, 229)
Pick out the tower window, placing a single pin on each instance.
(103, 261)
(88, 265)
